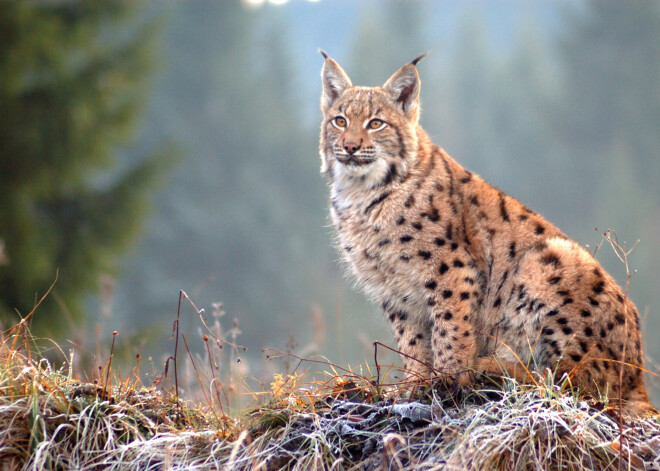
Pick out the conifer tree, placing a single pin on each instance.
(72, 84)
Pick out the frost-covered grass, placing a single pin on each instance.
(344, 421)
(48, 420)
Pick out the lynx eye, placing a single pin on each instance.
(376, 124)
(339, 122)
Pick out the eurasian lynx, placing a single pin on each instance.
(469, 278)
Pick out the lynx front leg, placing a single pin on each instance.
(452, 294)
(413, 337)
(453, 341)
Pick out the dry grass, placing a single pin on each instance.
(48, 420)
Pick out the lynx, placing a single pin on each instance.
(469, 278)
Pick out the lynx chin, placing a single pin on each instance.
(468, 277)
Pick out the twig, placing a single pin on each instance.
(176, 350)
(106, 390)
(377, 365)
(199, 379)
(215, 380)
(622, 254)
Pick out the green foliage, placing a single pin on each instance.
(72, 85)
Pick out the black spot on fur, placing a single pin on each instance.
(551, 258)
(588, 332)
(598, 287)
(554, 280)
(585, 313)
(384, 242)
(474, 201)
(512, 250)
(465, 295)
(497, 302)
(567, 330)
(593, 302)
(439, 242)
(443, 268)
(417, 225)
(503, 211)
(454, 246)
(409, 201)
(391, 173)
(400, 220)
(504, 278)
(431, 285)
(447, 293)
(447, 316)
(424, 254)
(575, 357)
(432, 215)
(379, 199)
(406, 238)
(554, 312)
(458, 264)
(619, 318)
(450, 230)
(539, 229)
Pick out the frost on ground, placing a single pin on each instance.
(514, 431)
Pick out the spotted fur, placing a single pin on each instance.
(468, 277)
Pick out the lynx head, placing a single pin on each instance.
(369, 134)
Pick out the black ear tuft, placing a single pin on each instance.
(419, 58)
(323, 53)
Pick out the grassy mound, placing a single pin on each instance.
(50, 420)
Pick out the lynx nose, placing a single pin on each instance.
(351, 147)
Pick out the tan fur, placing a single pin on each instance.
(468, 277)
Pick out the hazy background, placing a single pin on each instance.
(555, 102)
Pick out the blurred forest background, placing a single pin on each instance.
(152, 147)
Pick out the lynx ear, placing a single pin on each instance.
(404, 87)
(335, 81)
